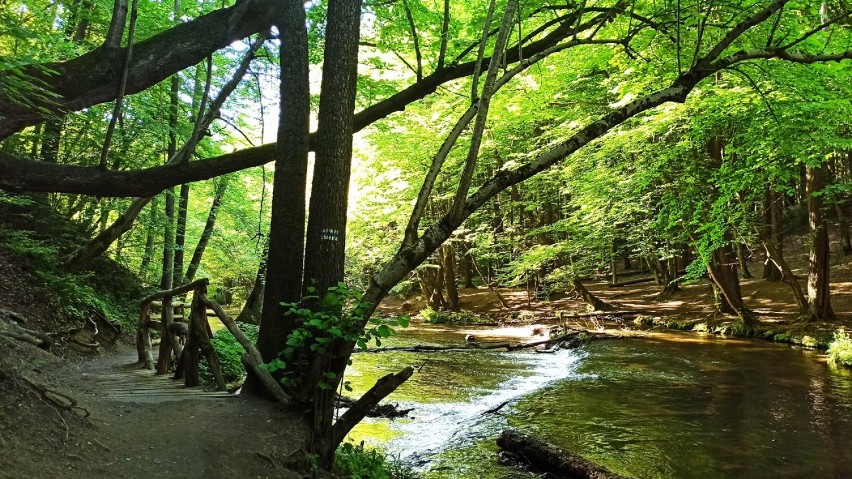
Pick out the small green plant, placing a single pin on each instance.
(337, 318)
(783, 338)
(809, 342)
(840, 349)
(356, 462)
(429, 315)
(229, 351)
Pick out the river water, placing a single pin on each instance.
(666, 406)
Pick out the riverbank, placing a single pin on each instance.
(643, 307)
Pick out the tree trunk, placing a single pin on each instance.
(742, 259)
(149, 240)
(466, 268)
(180, 234)
(843, 226)
(198, 253)
(819, 299)
(777, 259)
(772, 218)
(100, 243)
(167, 339)
(326, 232)
(252, 310)
(546, 457)
(285, 261)
(449, 257)
(722, 269)
(593, 301)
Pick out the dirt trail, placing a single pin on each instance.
(139, 425)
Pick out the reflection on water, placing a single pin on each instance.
(651, 408)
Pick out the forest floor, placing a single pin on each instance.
(640, 306)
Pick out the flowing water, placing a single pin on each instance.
(669, 406)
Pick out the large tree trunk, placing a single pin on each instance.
(722, 269)
(819, 299)
(326, 233)
(287, 229)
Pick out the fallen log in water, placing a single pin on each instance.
(548, 458)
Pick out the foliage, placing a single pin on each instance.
(356, 462)
(322, 323)
(32, 232)
(840, 349)
(229, 351)
(453, 317)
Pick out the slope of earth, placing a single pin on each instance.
(78, 407)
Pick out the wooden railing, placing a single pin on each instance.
(197, 338)
(197, 341)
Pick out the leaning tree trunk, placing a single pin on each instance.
(777, 259)
(207, 233)
(593, 301)
(819, 299)
(722, 269)
(542, 456)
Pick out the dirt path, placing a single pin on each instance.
(140, 425)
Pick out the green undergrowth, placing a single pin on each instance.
(353, 461)
(431, 316)
(229, 351)
(37, 238)
(840, 349)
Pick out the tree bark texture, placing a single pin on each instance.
(771, 233)
(287, 228)
(819, 297)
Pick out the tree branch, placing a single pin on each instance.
(94, 77)
(367, 402)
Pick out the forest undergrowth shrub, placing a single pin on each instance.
(431, 316)
(229, 351)
(34, 234)
(353, 461)
(840, 350)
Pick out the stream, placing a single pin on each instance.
(672, 405)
